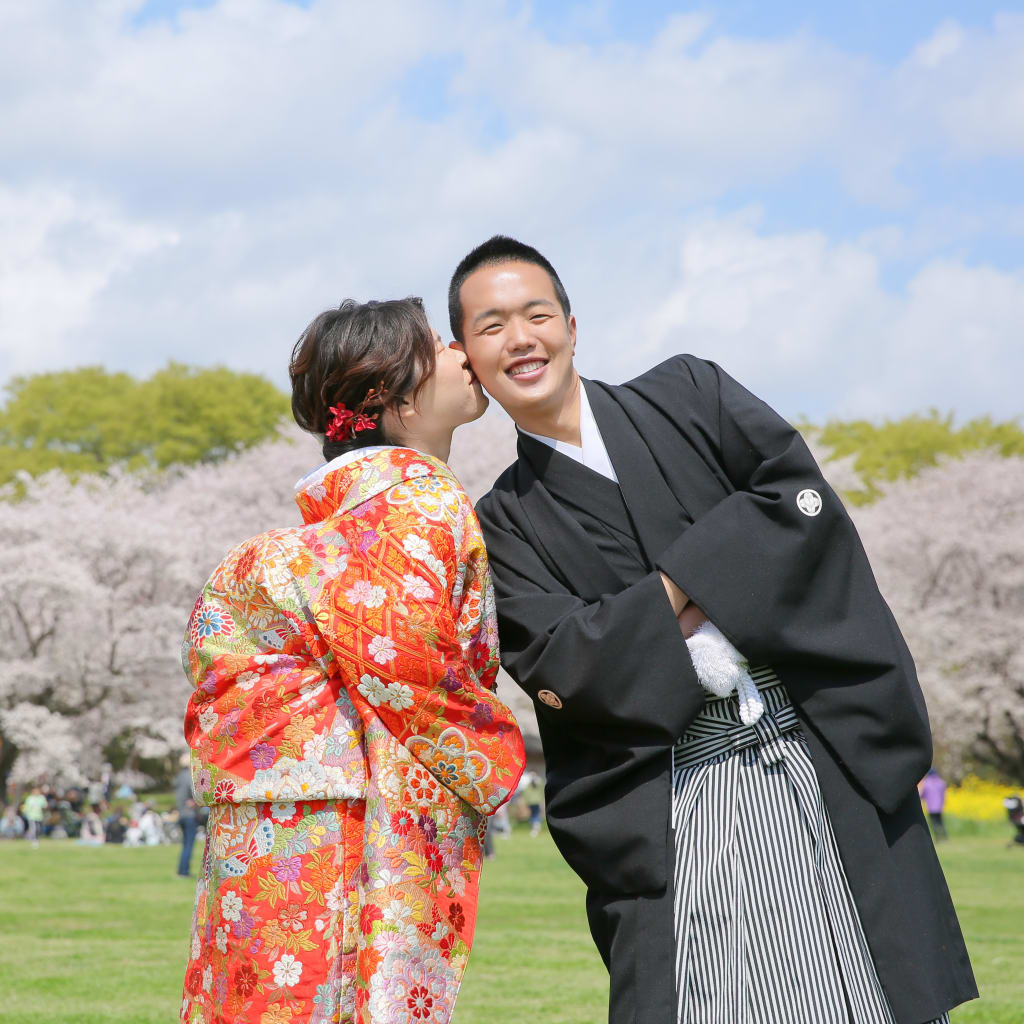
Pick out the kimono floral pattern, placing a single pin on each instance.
(347, 739)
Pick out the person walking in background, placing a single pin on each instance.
(188, 819)
(933, 792)
(533, 797)
(344, 727)
(33, 810)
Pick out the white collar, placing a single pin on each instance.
(320, 472)
(593, 454)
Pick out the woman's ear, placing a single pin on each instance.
(395, 420)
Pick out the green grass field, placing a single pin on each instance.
(98, 936)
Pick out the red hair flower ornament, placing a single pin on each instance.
(346, 423)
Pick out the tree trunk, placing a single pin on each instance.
(8, 755)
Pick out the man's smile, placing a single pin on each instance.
(527, 370)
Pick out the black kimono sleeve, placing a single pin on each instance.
(778, 566)
(618, 661)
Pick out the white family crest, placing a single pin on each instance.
(809, 501)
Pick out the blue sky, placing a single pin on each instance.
(880, 28)
(824, 198)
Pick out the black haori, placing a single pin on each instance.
(721, 494)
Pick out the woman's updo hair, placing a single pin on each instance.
(384, 350)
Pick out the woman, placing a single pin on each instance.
(91, 833)
(343, 727)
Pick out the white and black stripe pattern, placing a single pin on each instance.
(766, 928)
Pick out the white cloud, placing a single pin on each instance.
(810, 326)
(964, 90)
(61, 251)
(199, 190)
(941, 44)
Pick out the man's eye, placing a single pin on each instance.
(539, 316)
(491, 328)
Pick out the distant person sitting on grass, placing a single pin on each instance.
(12, 825)
(92, 833)
(146, 828)
(116, 825)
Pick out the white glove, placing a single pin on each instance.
(722, 670)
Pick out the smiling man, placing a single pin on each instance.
(747, 824)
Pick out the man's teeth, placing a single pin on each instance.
(525, 368)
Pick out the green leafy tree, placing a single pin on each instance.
(89, 419)
(900, 449)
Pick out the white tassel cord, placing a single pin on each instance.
(722, 670)
(751, 704)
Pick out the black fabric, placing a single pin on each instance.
(796, 591)
(635, 937)
(901, 895)
(709, 476)
(597, 505)
(605, 747)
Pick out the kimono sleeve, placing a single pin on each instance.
(405, 623)
(778, 566)
(619, 661)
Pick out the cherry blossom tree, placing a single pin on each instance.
(97, 578)
(948, 550)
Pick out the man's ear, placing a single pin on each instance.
(460, 346)
(572, 333)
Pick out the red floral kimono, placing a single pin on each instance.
(347, 740)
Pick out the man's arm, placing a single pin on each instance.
(619, 661)
(676, 597)
(773, 571)
(779, 568)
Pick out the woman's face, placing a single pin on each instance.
(452, 395)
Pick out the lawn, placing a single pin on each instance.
(99, 935)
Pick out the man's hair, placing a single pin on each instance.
(498, 249)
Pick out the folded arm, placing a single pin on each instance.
(620, 660)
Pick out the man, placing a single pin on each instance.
(761, 859)
(184, 797)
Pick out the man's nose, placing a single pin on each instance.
(517, 335)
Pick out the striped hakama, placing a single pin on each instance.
(766, 927)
